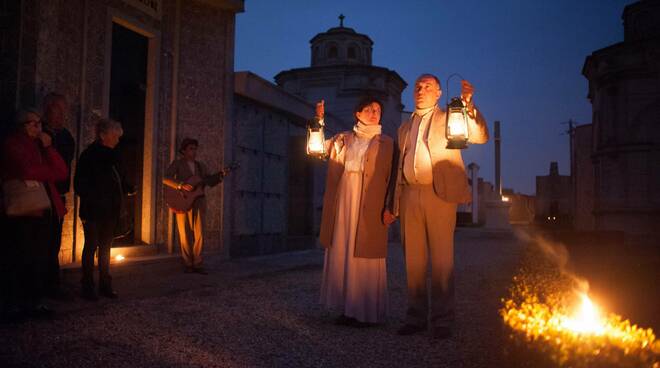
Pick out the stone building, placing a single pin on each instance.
(162, 68)
(554, 198)
(582, 177)
(624, 90)
(277, 194)
(341, 72)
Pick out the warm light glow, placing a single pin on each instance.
(456, 125)
(587, 320)
(119, 258)
(505, 199)
(573, 329)
(315, 143)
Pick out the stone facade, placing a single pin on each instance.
(624, 89)
(66, 47)
(277, 192)
(553, 198)
(341, 73)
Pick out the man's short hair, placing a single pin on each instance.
(104, 125)
(53, 98)
(187, 142)
(430, 76)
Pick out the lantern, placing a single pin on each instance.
(456, 129)
(316, 139)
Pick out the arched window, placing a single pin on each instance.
(332, 52)
(352, 54)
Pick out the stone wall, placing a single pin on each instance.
(55, 58)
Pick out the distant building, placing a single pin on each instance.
(624, 89)
(583, 177)
(553, 198)
(341, 72)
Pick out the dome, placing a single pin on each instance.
(341, 46)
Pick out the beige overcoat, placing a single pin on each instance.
(449, 177)
(371, 237)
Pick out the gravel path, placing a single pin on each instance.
(263, 312)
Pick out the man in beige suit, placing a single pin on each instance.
(431, 182)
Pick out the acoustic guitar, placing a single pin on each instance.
(179, 200)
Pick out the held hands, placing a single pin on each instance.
(388, 217)
(187, 187)
(320, 109)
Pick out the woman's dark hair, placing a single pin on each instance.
(366, 101)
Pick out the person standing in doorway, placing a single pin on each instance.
(431, 181)
(101, 185)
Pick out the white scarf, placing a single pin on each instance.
(366, 131)
(422, 112)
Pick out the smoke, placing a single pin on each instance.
(555, 253)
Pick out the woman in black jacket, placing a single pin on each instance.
(101, 186)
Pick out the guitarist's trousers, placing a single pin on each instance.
(191, 235)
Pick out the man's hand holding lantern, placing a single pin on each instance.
(467, 91)
(320, 110)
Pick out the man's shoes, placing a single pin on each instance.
(200, 270)
(108, 293)
(344, 320)
(410, 329)
(89, 295)
(352, 322)
(188, 269)
(441, 333)
(40, 311)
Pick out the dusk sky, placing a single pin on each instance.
(523, 57)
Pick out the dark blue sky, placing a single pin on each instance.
(524, 58)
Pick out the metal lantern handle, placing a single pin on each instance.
(449, 78)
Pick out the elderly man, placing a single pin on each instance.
(431, 181)
(55, 111)
(101, 186)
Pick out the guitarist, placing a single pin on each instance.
(191, 222)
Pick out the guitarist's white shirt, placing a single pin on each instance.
(192, 166)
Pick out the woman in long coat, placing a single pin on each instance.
(352, 227)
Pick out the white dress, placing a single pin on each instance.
(358, 286)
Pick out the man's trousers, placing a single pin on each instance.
(191, 235)
(427, 227)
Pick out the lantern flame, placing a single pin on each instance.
(316, 142)
(119, 258)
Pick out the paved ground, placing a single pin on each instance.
(263, 312)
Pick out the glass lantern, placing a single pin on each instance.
(316, 139)
(457, 124)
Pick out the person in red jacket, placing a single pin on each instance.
(28, 156)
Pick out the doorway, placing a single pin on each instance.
(127, 104)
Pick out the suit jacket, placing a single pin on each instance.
(371, 237)
(449, 176)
